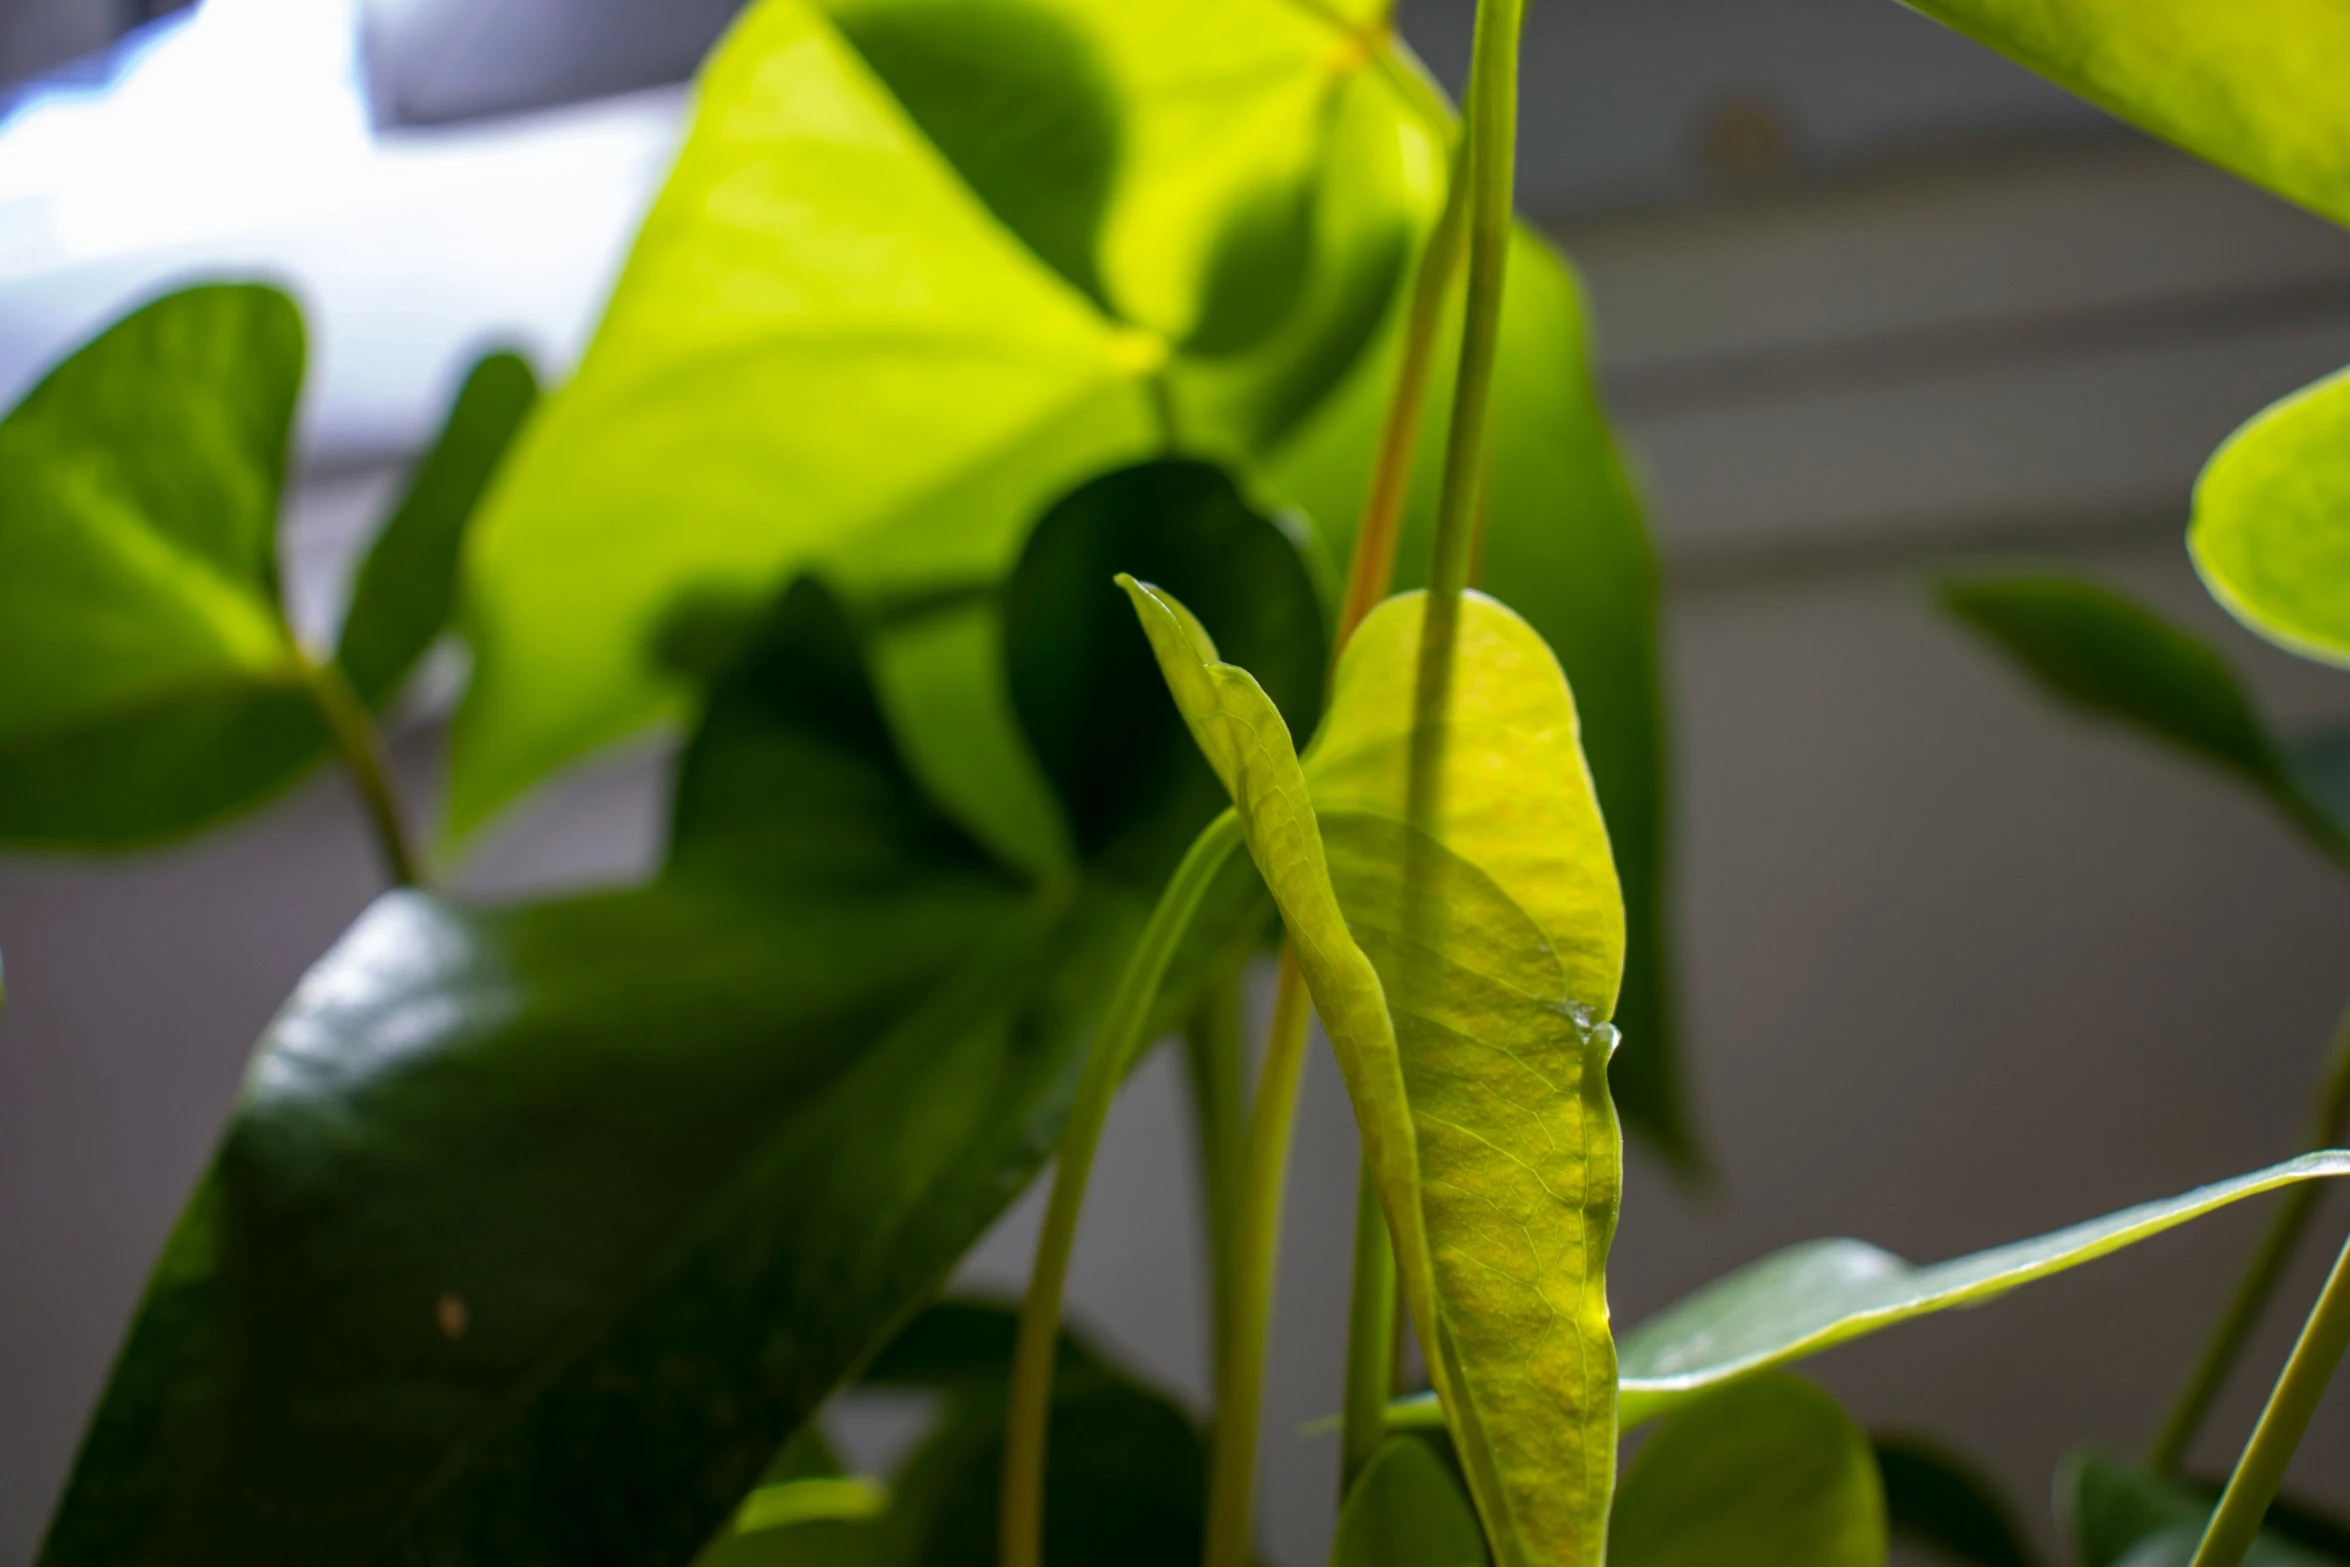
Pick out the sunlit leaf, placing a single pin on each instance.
(1498, 1147)
(1814, 1296)
(1408, 1509)
(407, 586)
(2106, 655)
(1768, 1473)
(1567, 548)
(536, 1230)
(2117, 1513)
(1944, 1506)
(913, 276)
(2253, 85)
(151, 685)
(2271, 531)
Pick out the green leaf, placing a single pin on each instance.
(2252, 85)
(1811, 1297)
(1769, 1473)
(1942, 1504)
(1132, 786)
(918, 272)
(152, 686)
(402, 596)
(1496, 1153)
(1408, 1510)
(1567, 548)
(2271, 530)
(535, 1231)
(2116, 1512)
(2104, 654)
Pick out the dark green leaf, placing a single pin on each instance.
(1769, 1473)
(1132, 785)
(401, 599)
(2116, 1513)
(151, 685)
(1567, 548)
(1942, 1504)
(1810, 1297)
(536, 1231)
(2108, 656)
(1408, 1510)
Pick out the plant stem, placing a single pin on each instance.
(1372, 568)
(354, 732)
(1213, 1049)
(1022, 1520)
(2262, 1276)
(1371, 1330)
(1256, 1246)
(2262, 1468)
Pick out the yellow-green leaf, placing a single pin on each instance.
(2253, 85)
(2271, 532)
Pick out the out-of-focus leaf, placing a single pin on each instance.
(887, 307)
(1814, 1296)
(402, 596)
(1769, 1473)
(1132, 785)
(1496, 1154)
(1942, 1504)
(1567, 548)
(151, 686)
(535, 1231)
(2252, 85)
(1408, 1510)
(2117, 1513)
(805, 1513)
(2271, 530)
(2104, 654)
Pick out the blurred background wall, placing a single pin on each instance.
(1870, 304)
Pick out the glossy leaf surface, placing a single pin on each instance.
(151, 686)
(1812, 1297)
(2271, 532)
(1945, 1506)
(1768, 1473)
(536, 1230)
(1408, 1510)
(1567, 548)
(2103, 654)
(2252, 85)
(407, 586)
(1498, 1146)
(2117, 1513)
(913, 275)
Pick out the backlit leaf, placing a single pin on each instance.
(913, 275)
(2271, 532)
(151, 685)
(1769, 1473)
(2253, 85)
(1811, 1297)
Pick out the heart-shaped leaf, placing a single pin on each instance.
(152, 685)
(2104, 654)
(2252, 85)
(1812, 1297)
(918, 269)
(1768, 1473)
(1460, 965)
(2271, 532)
